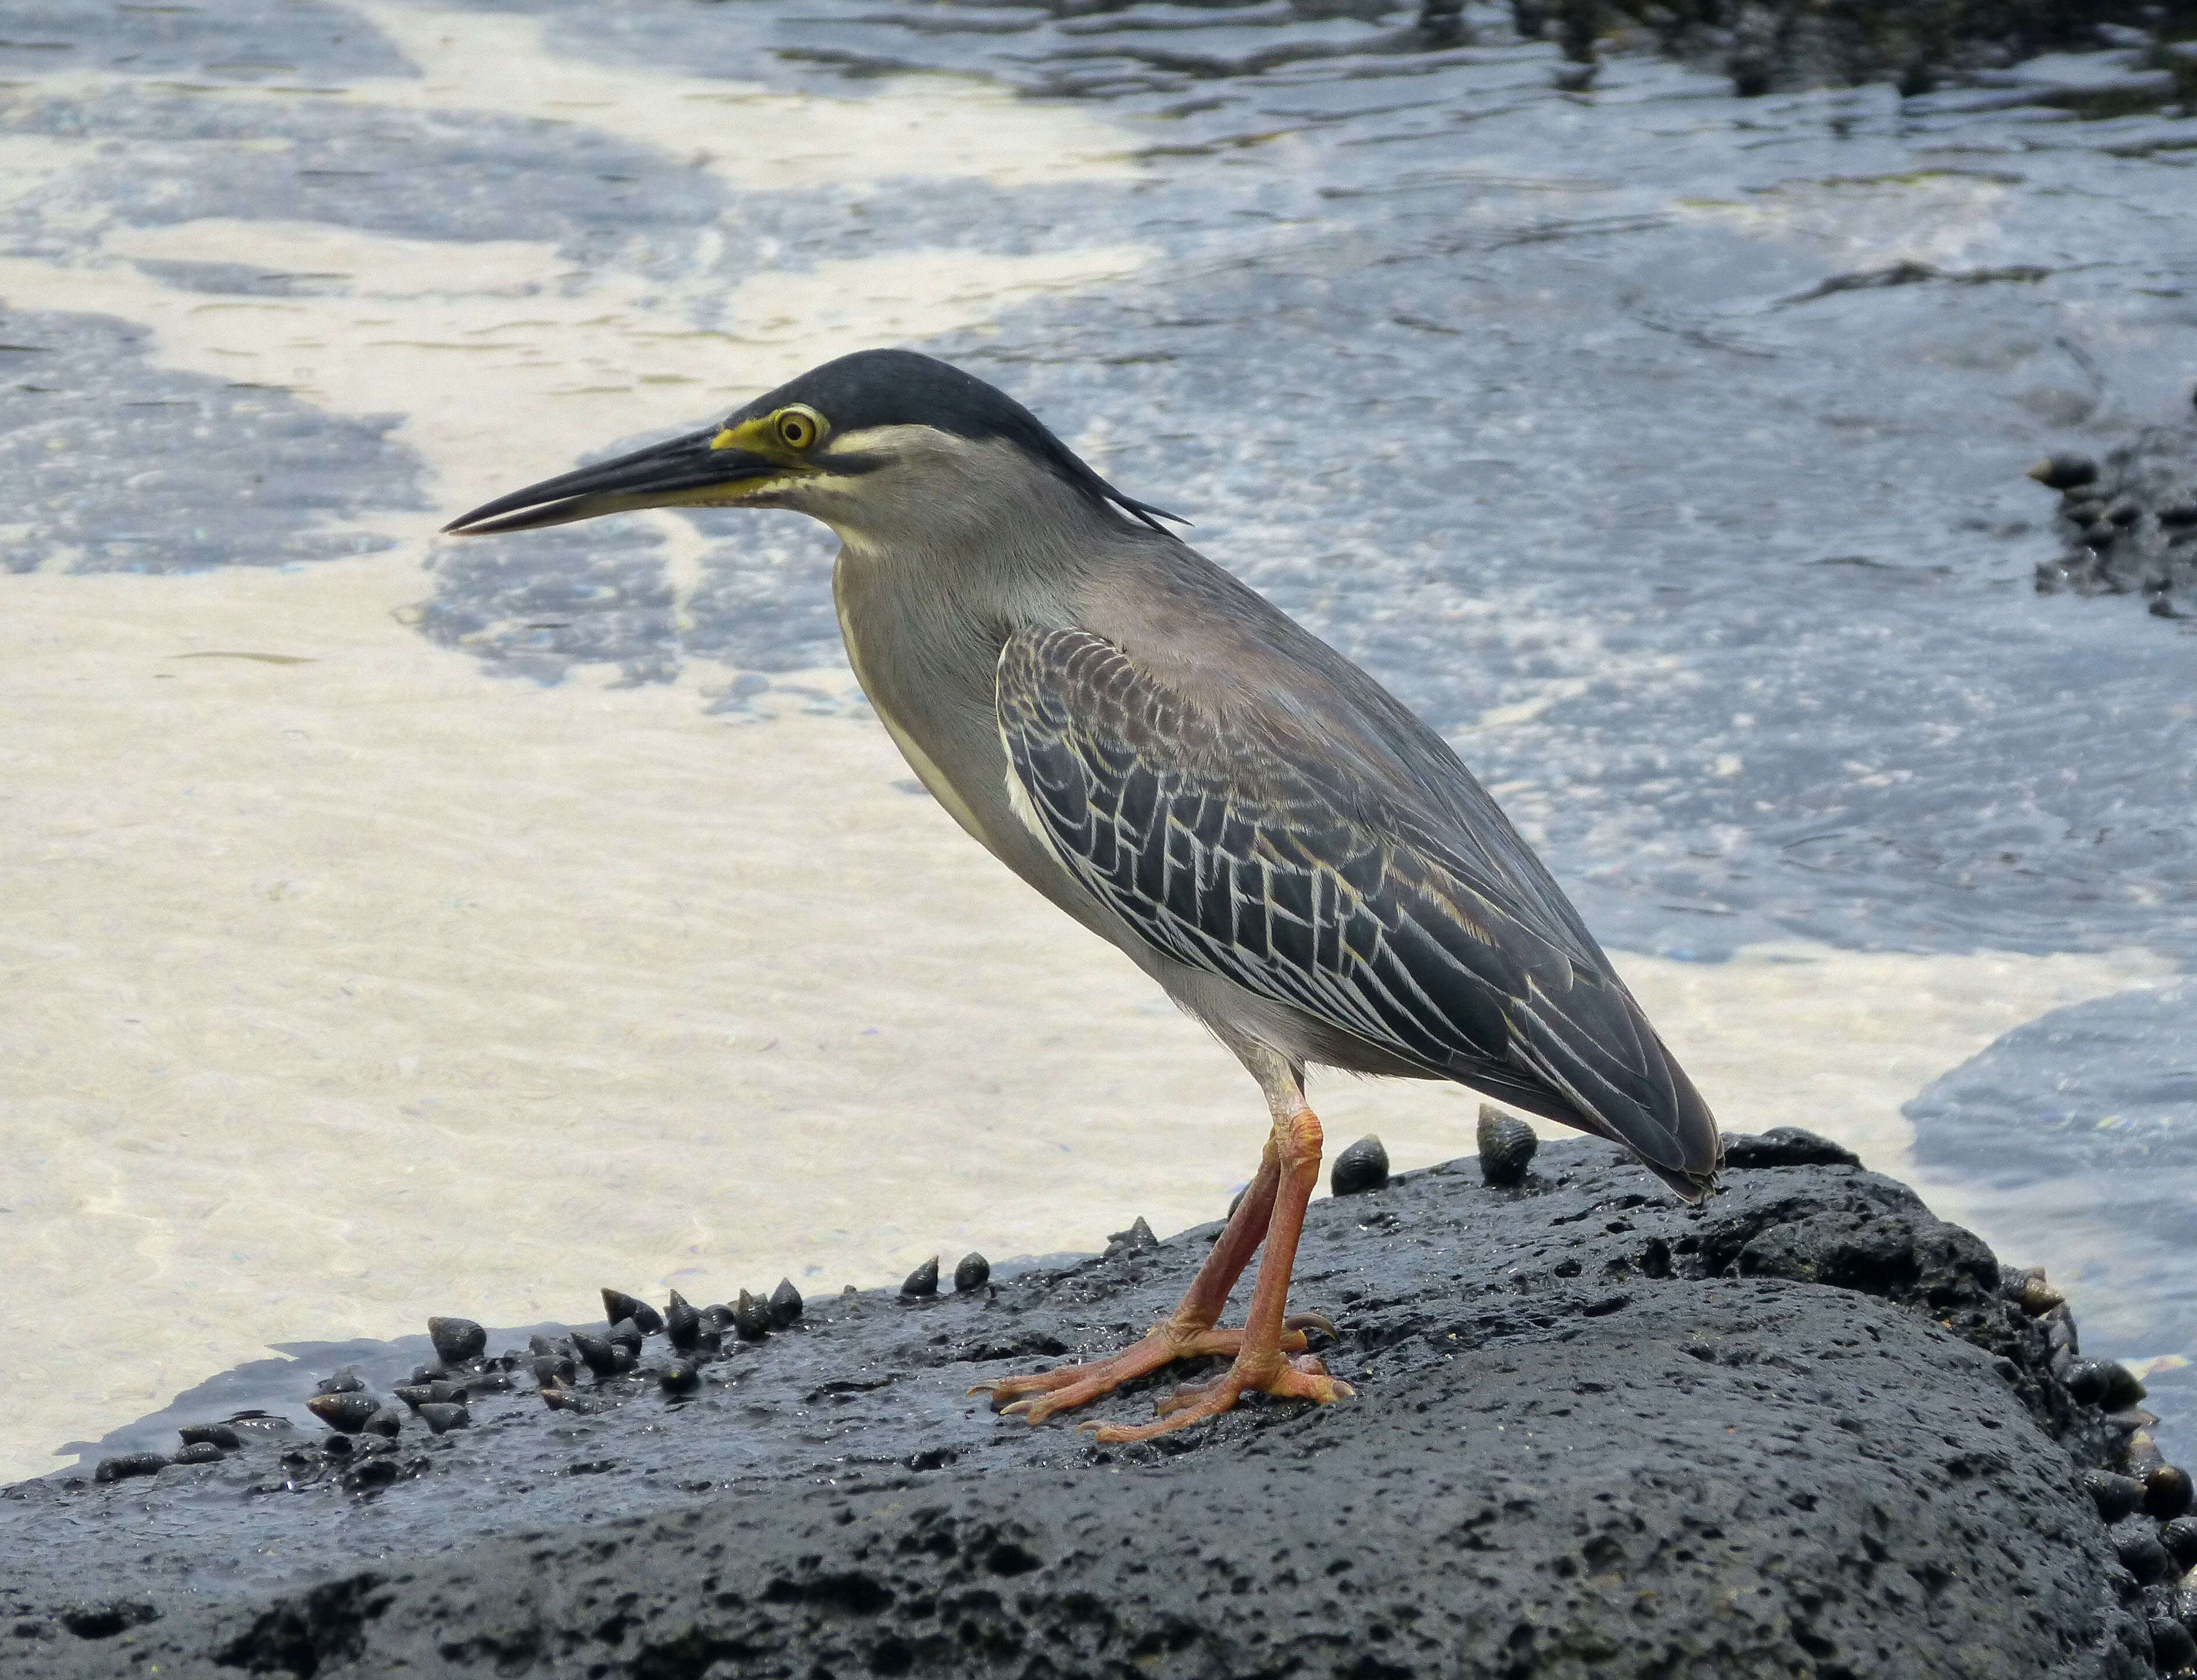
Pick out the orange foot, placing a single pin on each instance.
(1044, 1394)
(1304, 1379)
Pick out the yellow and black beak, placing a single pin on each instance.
(703, 469)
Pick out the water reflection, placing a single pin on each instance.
(1666, 449)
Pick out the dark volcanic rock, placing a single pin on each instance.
(1770, 45)
(2130, 529)
(1803, 1431)
(1786, 1146)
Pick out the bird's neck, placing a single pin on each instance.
(928, 660)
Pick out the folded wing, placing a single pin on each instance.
(1240, 848)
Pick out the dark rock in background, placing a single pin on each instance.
(1776, 45)
(2131, 525)
(1808, 1430)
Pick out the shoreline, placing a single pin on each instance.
(1585, 1413)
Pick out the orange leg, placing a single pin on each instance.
(1187, 1333)
(1260, 1362)
(1271, 1212)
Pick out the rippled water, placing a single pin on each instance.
(555, 916)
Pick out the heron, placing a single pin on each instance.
(1298, 860)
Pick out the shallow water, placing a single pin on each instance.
(401, 925)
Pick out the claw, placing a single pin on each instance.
(1313, 1321)
(1335, 1388)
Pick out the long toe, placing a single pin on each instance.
(1043, 1394)
(1299, 1379)
(1039, 1407)
(1192, 1395)
(1006, 1391)
(1038, 1395)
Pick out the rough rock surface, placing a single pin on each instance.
(1810, 1430)
(2130, 522)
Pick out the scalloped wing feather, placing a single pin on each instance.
(1250, 856)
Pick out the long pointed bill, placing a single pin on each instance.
(685, 472)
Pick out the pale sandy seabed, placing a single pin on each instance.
(341, 984)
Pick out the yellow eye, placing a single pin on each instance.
(798, 428)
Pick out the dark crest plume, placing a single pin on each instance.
(902, 387)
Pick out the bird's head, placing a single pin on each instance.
(866, 443)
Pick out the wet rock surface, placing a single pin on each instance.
(2129, 522)
(1809, 1429)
